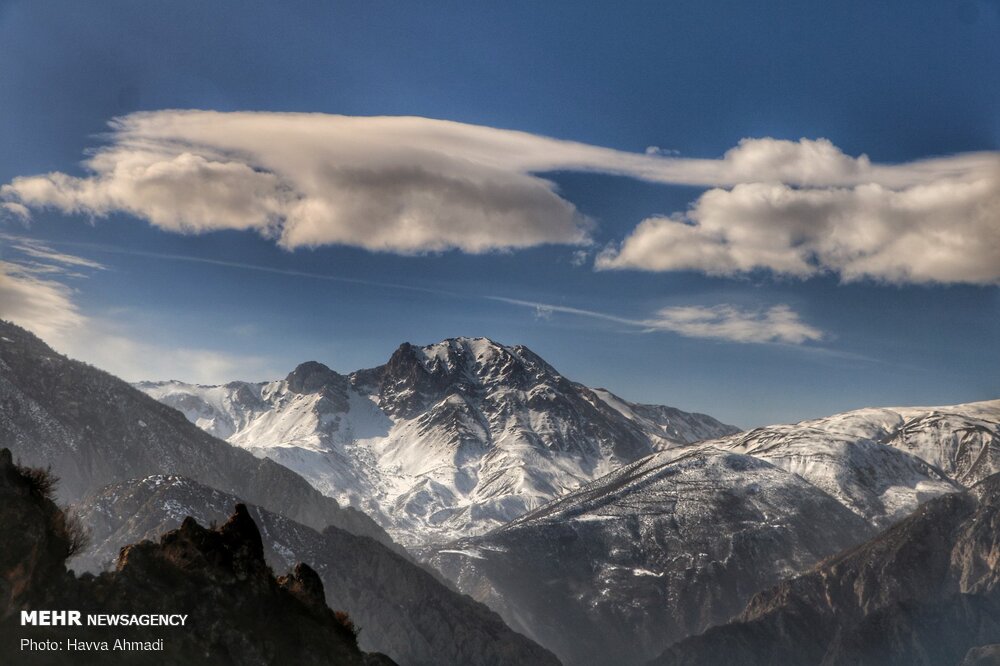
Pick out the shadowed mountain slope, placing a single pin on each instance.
(93, 429)
(923, 593)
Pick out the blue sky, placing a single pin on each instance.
(789, 280)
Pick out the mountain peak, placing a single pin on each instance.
(313, 376)
(462, 351)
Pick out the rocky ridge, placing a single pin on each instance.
(661, 549)
(236, 611)
(571, 574)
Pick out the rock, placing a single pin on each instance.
(235, 611)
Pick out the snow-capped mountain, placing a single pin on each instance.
(964, 441)
(882, 463)
(443, 441)
(658, 550)
(680, 540)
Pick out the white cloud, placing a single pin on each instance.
(776, 324)
(944, 231)
(726, 322)
(411, 185)
(15, 210)
(41, 305)
(42, 253)
(134, 360)
(402, 185)
(46, 307)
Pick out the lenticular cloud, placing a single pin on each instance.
(384, 184)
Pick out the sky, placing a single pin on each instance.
(762, 211)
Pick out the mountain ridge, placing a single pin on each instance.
(92, 428)
(657, 550)
(441, 441)
(925, 592)
(697, 554)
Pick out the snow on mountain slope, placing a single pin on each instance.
(312, 421)
(679, 540)
(443, 441)
(669, 423)
(925, 592)
(653, 552)
(964, 440)
(882, 463)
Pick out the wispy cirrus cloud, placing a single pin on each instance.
(410, 185)
(42, 305)
(36, 293)
(775, 324)
(725, 322)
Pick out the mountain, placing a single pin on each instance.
(403, 610)
(882, 463)
(443, 441)
(93, 429)
(926, 592)
(674, 543)
(235, 611)
(660, 549)
(964, 440)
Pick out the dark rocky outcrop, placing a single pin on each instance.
(314, 377)
(924, 592)
(403, 610)
(237, 612)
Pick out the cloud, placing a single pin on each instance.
(944, 231)
(776, 324)
(43, 306)
(579, 257)
(410, 185)
(15, 210)
(134, 360)
(43, 253)
(543, 312)
(396, 185)
(726, 322)
(46, 307)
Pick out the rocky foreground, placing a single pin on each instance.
(236, 611)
